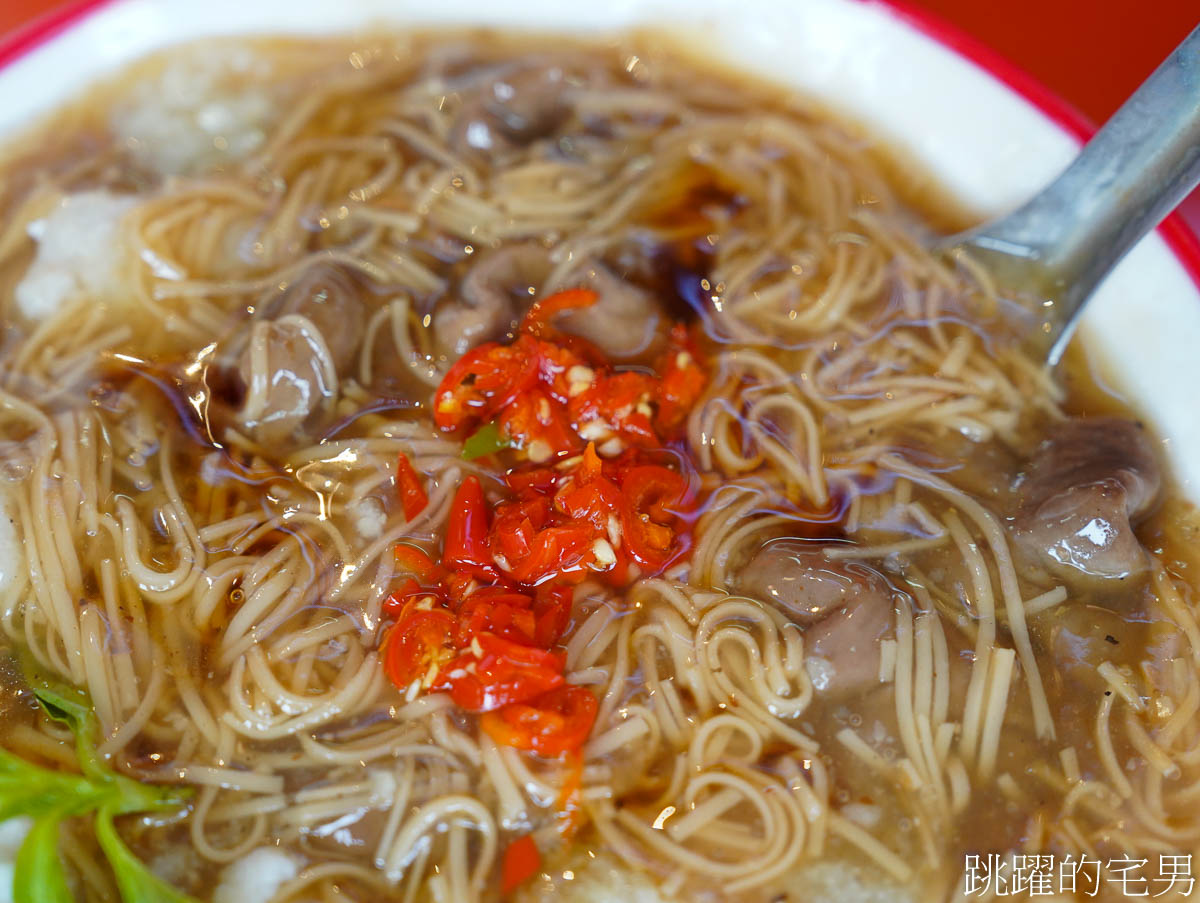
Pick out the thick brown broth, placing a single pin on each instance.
(254, 678)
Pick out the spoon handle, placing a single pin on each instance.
(1132, 173)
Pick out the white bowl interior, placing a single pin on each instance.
(986, 144)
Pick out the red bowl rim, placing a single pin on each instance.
(1183, 243)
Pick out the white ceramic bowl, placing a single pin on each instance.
(990, 134)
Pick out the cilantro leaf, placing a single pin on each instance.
(484, 441)
(27, 789)
(51, 796)
(136, 882)
(62, 703)
(72, 707)
(38, 877)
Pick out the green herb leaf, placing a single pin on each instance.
(134, 796)
(484, 441)
(27, 789)
(63, 703)
(136, 882)
(50, 796)
(38, 876)
(71, 706)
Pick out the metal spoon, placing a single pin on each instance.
(1051, 253)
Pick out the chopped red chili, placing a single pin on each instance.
(417, 562)
(521, 862)
(411, 489)
(466, 546)
(681, 381)
(569, 805)
(484, 381)
(539, 425)
(552, 724)
(418, 644)
(493, 672)
(598, 494)
(538, 321)
(549, 394)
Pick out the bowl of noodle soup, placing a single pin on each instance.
(473, 454)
